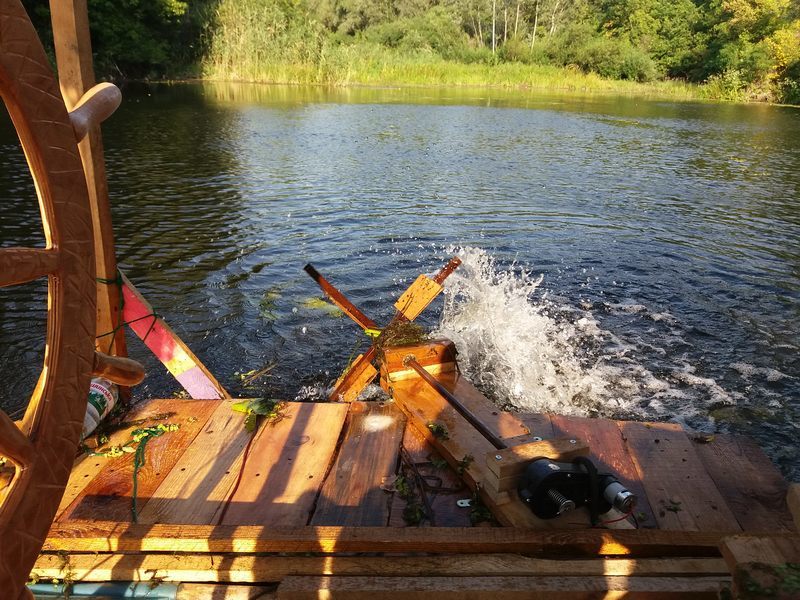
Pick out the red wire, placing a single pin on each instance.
(622, 518)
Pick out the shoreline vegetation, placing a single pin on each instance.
(380, 69)
(719, 50)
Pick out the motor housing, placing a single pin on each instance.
(552, 488)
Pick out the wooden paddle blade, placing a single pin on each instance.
(339, 299)
(422, 292)
(353, 381)
(417, 297)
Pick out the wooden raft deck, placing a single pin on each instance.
(300, 501)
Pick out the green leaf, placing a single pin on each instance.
(242, 406)
(250, 422)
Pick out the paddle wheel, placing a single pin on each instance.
(41, 447)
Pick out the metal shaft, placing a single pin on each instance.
(410, 361)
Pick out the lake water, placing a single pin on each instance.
(622, 257)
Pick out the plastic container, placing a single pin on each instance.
(103, 395)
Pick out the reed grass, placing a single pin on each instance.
(371, 64)
(269, 42)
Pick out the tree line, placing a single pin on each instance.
(741, 49)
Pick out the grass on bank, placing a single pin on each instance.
(373, 64)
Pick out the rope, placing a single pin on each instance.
(118, 281)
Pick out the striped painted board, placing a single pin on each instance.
(162, 341)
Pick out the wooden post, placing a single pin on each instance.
(76, 76)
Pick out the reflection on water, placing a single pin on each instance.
(666, 235)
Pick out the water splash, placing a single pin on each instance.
(526, 348)
(513, 344)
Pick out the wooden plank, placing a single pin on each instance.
(751, 485)
(539, 425)
(352, 493)
(610, 454)
(286, 467)
(103, 536)
(437, 356)
(497, 588)
(417, 297)
(73, 48)
(503, 424)
(167, 347)
(250, 568)
(739, 549)
(457, 443)
(679, 489)
(763, 567)
(359, 375)
(224, 591)
(352, 382)
(511, 462)
(793, 500)
(87, 467)
(201, 481)
(109, 496)
(446, 512)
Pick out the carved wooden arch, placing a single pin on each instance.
(42, 446)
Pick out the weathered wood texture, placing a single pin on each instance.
(86, 467)
(751, 485)
(449, 487)
(540, 425)
(367, 458)
(286, 467)
(501, 588)
(91, 536)
(357, 376)
(45, 442)
(511, 462)
(610, 454)
(224, 591)
(763, 568)
(417, 297)
(457, 442)
(438, 356)
(680, 491)
(262, 569)
(108, 497)
(774, 550)
(203, 477)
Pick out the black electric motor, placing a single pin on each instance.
(553, 488)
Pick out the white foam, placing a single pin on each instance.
(541, 353)
(748, 371)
